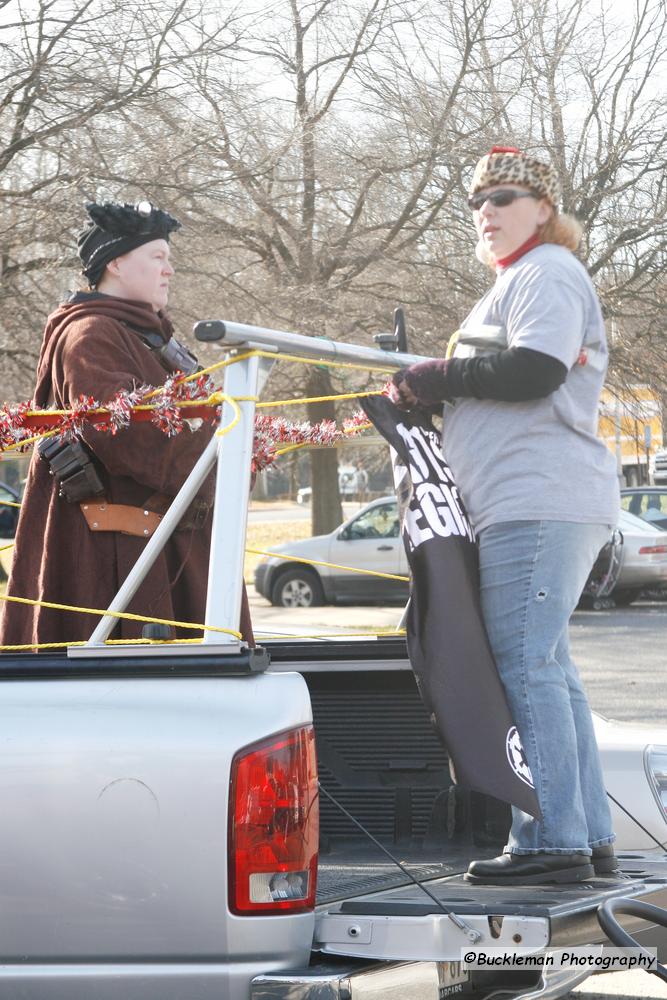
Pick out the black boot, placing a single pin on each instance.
(604, 860)
(531, 869)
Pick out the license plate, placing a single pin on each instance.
(452, 978)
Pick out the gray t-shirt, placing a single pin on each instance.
(540, 459)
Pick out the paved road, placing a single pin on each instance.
(620, 986)
(621, 653)
(622, 656)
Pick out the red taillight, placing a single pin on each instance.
(652, 550)
(274, 825)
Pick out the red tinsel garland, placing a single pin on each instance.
(17, 423)
(272, 432)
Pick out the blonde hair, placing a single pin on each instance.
(561, 229)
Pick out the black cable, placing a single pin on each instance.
(384, 850)
(635, 820)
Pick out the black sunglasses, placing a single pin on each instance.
(500, 198)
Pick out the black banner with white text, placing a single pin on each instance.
(447, 643)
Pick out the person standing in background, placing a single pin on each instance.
(90, 505)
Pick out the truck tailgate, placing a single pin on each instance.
(403, 923)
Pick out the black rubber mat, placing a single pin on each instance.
(340, 881)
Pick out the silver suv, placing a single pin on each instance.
(659, 468)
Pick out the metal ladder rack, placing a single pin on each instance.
(231, 455)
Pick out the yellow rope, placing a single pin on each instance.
(274, 356)
(183, 642)
(108, 642)
(321, 362)
(31, 440)
(318, 399)
(158, 642)
(9, 503)
(237, 416)
(206, 371)
(317, 562)
(295, 447)
(5, 547)
(116, 614)
(451, 344)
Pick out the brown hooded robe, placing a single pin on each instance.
(88, 349)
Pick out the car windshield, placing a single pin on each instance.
(650, 505)
(380, 521)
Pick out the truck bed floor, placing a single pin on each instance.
(363, 869)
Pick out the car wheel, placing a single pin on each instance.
(622, 598)
(297, 588)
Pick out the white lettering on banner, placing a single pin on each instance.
(435, 508)
(417, 530)
(438, 514)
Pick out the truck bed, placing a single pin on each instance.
(380, 758)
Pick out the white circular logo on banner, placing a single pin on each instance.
(517, 757)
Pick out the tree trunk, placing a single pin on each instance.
(326, 508)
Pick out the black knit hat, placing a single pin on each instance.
(116, 229)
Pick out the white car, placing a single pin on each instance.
(634, 763)
(371, 540)
(347, 485)
(643, 559)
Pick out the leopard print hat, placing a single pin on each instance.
(507, 165)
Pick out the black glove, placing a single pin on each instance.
(423, 385)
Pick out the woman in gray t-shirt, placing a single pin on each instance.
(521, 396)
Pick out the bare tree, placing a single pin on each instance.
(318, 152)
(325, 170)
(592, 104)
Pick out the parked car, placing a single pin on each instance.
(8, 517)
(643, 559)
(658, 467)
(347, 485)
(371, 540)
(647, 502)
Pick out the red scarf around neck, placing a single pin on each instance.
(530, 244)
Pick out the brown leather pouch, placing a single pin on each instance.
(103, 516)
(140, 521)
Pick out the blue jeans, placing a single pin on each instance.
(531, 576)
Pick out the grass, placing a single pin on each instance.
(265, 534)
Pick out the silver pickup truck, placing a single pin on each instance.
(164, 835)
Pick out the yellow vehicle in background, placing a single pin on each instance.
(631, 427)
